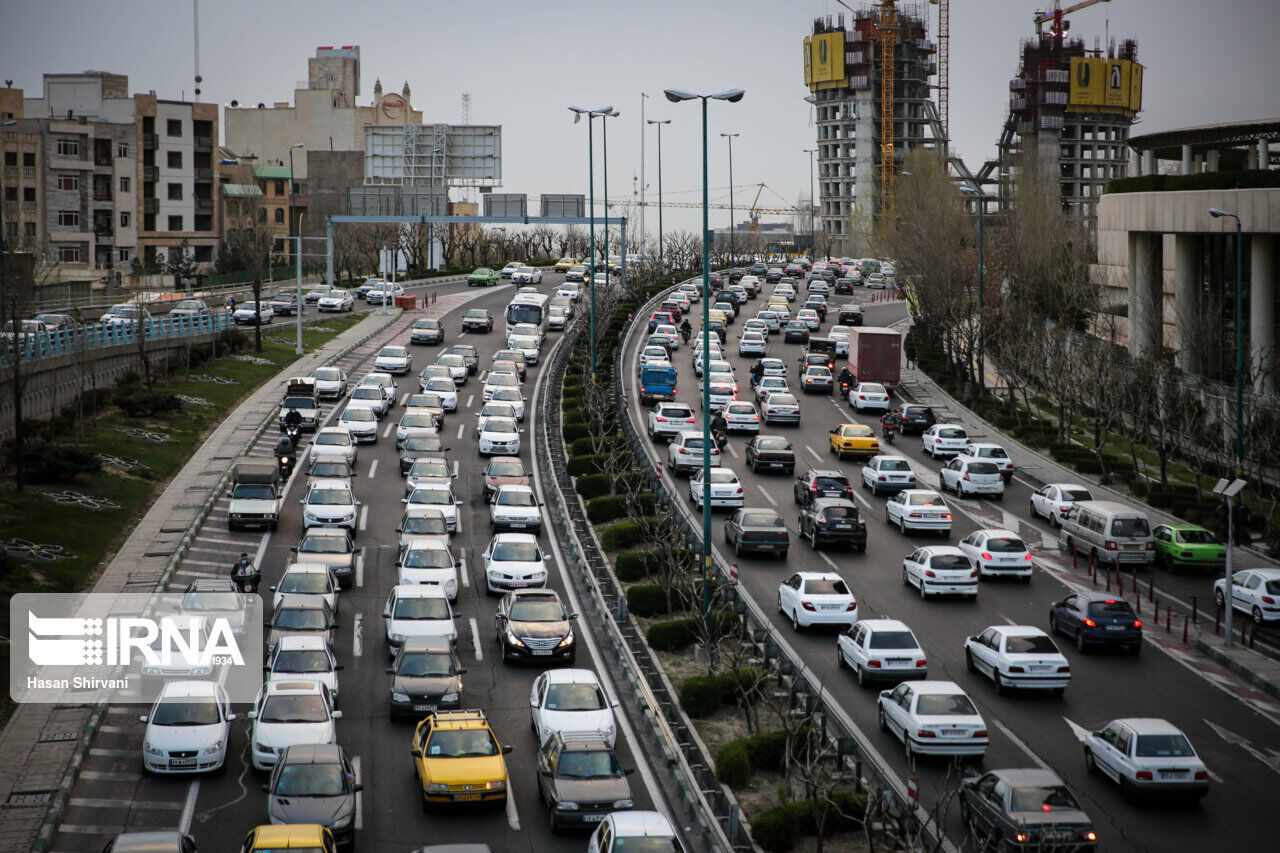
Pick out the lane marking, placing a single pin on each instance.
(729, 447)
(513, 818)
(470, 398)
(862, 500)
(462, 572)
(355, 767)
(767, 496)
(475, 641)
(455, 469)
(461, 427)
(405, 398)
(359, 571)
(373, 468)
(364, 517)
(357, 635)
(830, 562)
(93, 803)
(1018, 742)
(189, 807)
(816, 454)
(457, 524)
(387, 432)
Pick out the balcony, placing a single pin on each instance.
(1017, 84)
(1050, 122)
(101, 195)
(855, 57)
(1017, 104)
(1054, 98)
(102, 162)
(204, 143)
(104, 235)
(1057, 75)
(204, 175)
(300, 200)
(28, 171)
(151, 205)
(150, 142)
(204, 205)
(150, 174)
(1027, 126)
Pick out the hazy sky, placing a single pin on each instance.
(524, 62)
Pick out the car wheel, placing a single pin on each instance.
(863, 679)
(841, 663)
(1031, 509)
(1001, 687)
(1090, 763)
(968, 661)
(780, 604)
(906, 580)
(795, 621)
(902, 525)
(1080, 642)
(884, 723)
(1257, 616)
(924, 596)
(1217, 598)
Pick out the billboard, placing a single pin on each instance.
(1135, 87)
(564, 205)
(824, 60)
(1097, 82)
(506, 204)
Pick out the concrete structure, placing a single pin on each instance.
(843, 73)
(1171, 267)
(332, 174)
(324, 115)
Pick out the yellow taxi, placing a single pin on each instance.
(779, 307)
(717, 314)
(855, 440)
(457, 759)
(564, 264)
(300, 837)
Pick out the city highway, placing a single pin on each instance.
(219, 810)
(1026, 730)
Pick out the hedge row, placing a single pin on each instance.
(572, 432)
(703, 695)
(738, 760)
(611, 507)
(1241, 180)
(624, 534)
(588, 464)
(674, 636)
(779, 829)
(647, 600)
(631, 566)
(593, 486)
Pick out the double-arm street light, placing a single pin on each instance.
(604, 127)
(297, 253)
(982, 203)
(578, 113)
(733, 236)
(1216, 213)
(662, 264)
(733, 96)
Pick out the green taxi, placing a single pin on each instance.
(484, 276)
(1189, 546)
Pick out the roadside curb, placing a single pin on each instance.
(1244, 662)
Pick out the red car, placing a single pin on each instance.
(673, 308)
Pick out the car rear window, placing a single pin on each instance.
(773, 444)
(951, 433)
(1034, 645)
(983, 468)
(840, 513)
(1076, 495)
(761, 519)
(1006, 545)
(951, 562)
(895, 465)
(1031, 798)
(1110, 608)
(1130, 527)
(1163, 746)
(893, 640)
(939, 705)
(831, 482)
(825, 586)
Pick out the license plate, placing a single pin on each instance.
(182, 762)
(1174, 774)
(1041, 669)
(954, 732)
(832, 607)
(540, 651)
(774, 464)
(843, 525)
(1132, 547)
(592, 818)
(1058, 835)
(516, 524)
(516, 584)
(461, 797)
(424, 707)
(897, 661)
(1115, 627)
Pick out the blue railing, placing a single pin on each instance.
(99, 335)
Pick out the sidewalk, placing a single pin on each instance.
(42, 746)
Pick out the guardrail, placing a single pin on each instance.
(853, 749)
(707, 809)
(98, 335)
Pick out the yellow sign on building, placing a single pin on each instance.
(824, 60)
(1113, 83)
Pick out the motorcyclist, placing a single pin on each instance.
(888, 425)
(846, 379)
(244, 572)
(686, 330)
(757, 370)
(719, 426)
(284, 455)
(293, 418)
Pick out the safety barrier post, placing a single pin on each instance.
(1184, 629)
(1195, 610)
(1151, 589)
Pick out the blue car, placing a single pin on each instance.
(1097, 619)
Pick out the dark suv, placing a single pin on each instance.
(532, 625)
(581, 780)
(832, 520)
(815, 483)
(770, 452)
(914, 419)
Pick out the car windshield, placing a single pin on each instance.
(360, 415)
(508, 467)
(507, 395)
(950, 562)
(431, 325)
(440, 384)
(429, 468)
(327, 374)
(893, 640)
(1130, 527)
(1033, 645)
(428, 495)
(500, 425)
(298, 403)
(330, 497)
(516, 498)
(941, 704)
(306, 583)
(300, 619)
(925, 499)
(426, 524)
(426, 665)
(507, 379)
(596, 764)
(476, 315)
(421, 608)
(537, 611)
(1164, 746)
(186, 712)
(1111, 607)
(302, 660)
(320, 543)
(301, 708)
(252, 492)
(522, 552)
(825, 586)
(418, 420)
(464, 743)
(366, 393)
(1006, 545)
(450, 360)
(311, 780)
(574, 697)
(427, 558)
(210, 602)
(394, 352)
(425, 444)
(1030, 798)
(333, 439)
(186, 305)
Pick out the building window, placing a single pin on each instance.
(124, 255)
(69, 182)
(279, 188)
(124, 219)
(11, 158)
(11, 230)
(68, 148)
(28, 193)
(122, 150)
(262, 214)
(279, 215)
(29, 229)
(124, 185)
(204, 254)
(175, 192)
(175, 159)
(29, 159)
(69, 254)
(69, 218)
(10, 193)
(173, 127)
(175, 223)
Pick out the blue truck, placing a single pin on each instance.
(658, 383)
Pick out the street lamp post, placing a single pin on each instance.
(982, 276)
(297, 349)
(1228, 490)
(604, 169)
(578, 113)
(733, 236)
(1215, 213)
(813, 235)
(662, 263)
(733, 96)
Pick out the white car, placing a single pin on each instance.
(817, 598)
(527, 275)
(1253, 591)
(571, 700)
(305, 658)
(784, 291)
(888, 474)
(511, 397)
(652, 355)
(445, 389)
(383, 380)
(1018, 656)
(998, 553)
(361, 423)
(774, 367)
(514, 561)
(417, 610)
(524, 330)
(810, 318)
(1055, 500)
(188, 729)
(669, 334)
(493, 409)
(1146, 755)
(528, 346)
(684, 454)
(306, 579)
(755, 324)
(918, 509)
(336, 300)
(498, 437)
(330, 503)
(387, 293)
(333, 443)
(318, 292)
(422, 522)
(841, 336)
(331, 382)
(771, 385)
(721, 390)
(869, 396)
(433, 371)
(752, 344)
(498, 380)
(780, 407)
(511, 269)
(437, 497)
(881, 650)
(394, 360)
(993, 453)
(557, 317)
(428, 561)
(419, 418)
(290, 713)
(940, 570)
(369, 397)
(428, 330)
(943, 440)
(933, 718)
(967, 476)
(772, 322)
(740, 416)
(726, 488)
(428, 471)
(515, 508)
(457, 365)
(570, 290)
(667, 419)
(634, 830)
(692, 290)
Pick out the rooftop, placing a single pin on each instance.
(1168, 143)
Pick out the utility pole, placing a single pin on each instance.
(643, 97)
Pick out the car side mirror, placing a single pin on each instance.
(293, 550)
(144, 718)
(337, 715)
(386, 613)
(402, 500)
(506, 749)
(266, 789)
(573, 616)
(272, 588)
(252, 715)
(628, 771)
(416, 753)
(391, 670)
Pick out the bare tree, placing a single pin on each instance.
(247, 248)
(17, 298)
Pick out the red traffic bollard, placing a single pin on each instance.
(733, 572)
(913, 789)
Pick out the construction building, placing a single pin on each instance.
(869, 83)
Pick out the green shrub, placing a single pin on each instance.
(674, 636)
(733, 768)
(1087, 465)
(593, 485)
(607, 508)
(635, 565)
(573, 432)
(586, 445)
(57, 463)
(573, 415)
(647, 600)
(148, 403)
(779, 828)
(767, 751)
(700, 695)
(579, 465)
(1138, 484)
(622, 534)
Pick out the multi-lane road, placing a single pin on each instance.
(112, 791)
(1166, 680)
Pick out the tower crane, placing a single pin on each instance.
(1059, 26)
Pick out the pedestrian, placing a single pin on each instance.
(911, 355)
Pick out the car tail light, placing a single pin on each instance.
(1185, 554)
(986, 556)
(1065, 670)
(1151, 546)
(1089, 623)
(922, 663)
(1028, 558)
(1201, 775)
(1016, 669)
(1266, 599)
(923, 733)
(911, 478)
(682, 451)
(814, 488)
(873, 664)
(739, 491)
(808, 605)
(1144, 775)
(852, 606)
(966, 477)
(1137, 623)
(862, 396)
(947, 516)
(1112, 546)
(1091, 836)
(916, 515)
(660, 419)
(930, 573)
(973, 574)
(882, 479)
(980, 733)
(1022, 837)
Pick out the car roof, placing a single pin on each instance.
(514, 537)
(335, 483)
(931, 686)
(633, 823)
(308, 643)
(1265, 572)
(978, 445)
(276, 836)
(884, 624)
(819, 576)
(1020, 630)
(313, 753)
(996, 532)
(427, 644)
(188, 689)
(943, 550)
(297, 601)
(1022, 776)
(426, 544)
(515, 487)
(418, 590)
(571, 676)
(210, 585)
(829, 502)
(1150, 725)
(301, 685)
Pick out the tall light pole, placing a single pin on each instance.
(733, 236)
(297, 252)
(1215, 213)
(1228, 490)
(662, 263)
(604, 169)
(813, 234)
(733, 96)
(578, 113)
(644, 96)
(982, 278)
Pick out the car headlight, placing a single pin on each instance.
(399, 697)
(609, 732)
(437, 788)
(567, 641)
(537, 576)
(152, 750)
(513, 639)
(567, 806)
(213, 748)
(449, 697)
(397, 638)
(496, 785)
(622, 804)
(342, 822)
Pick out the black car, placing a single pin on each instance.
(796, 332)
(821, 483)
(1031, 804)
(1097, 618)
(759, 530)
(718, 328)
(532, 625)
(759, 269)
(581, 779)
(850, 315)
(469, 354)
(828, 275)
(730, 296)
(773, 275)
(426, 677)
(832, 520)
(844, 285)
(417, 447)
(477, 320)
(771, 453)
(315, 783)
(735, 276)
(815, 359)
(913, 419)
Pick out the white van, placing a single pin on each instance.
(1109, 532)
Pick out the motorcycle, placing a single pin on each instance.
(285, 464)
(720, 437)
(888, 428)
(246, 576)
(293, 432)
(686, 332)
